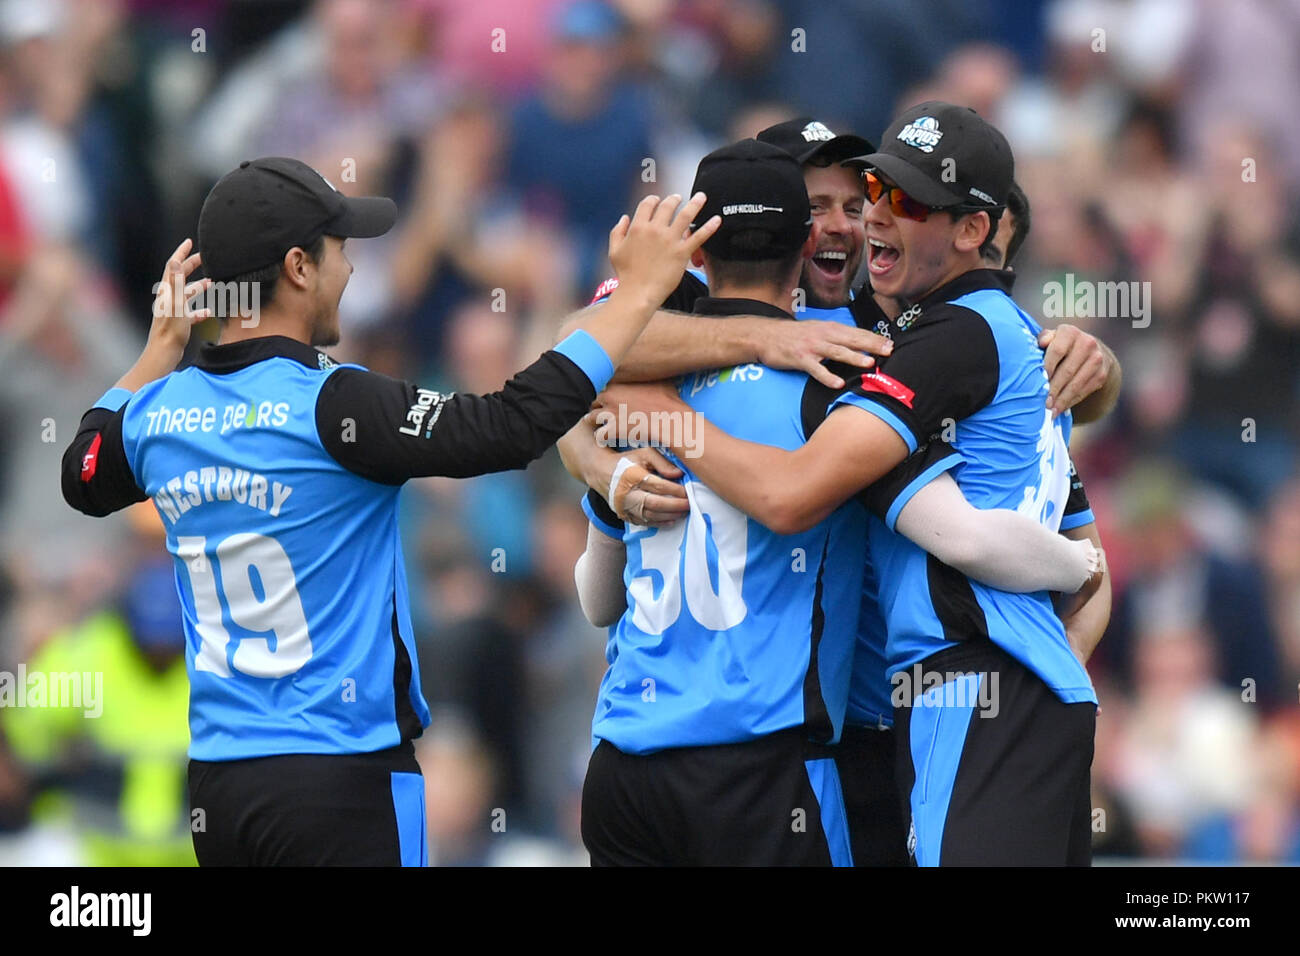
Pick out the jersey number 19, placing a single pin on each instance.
(278, 610)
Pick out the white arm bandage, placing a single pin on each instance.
(599, 576)
(997, 547)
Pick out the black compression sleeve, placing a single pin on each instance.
(96, 477)
(389, 430)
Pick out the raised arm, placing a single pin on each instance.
(389, 430)
(96, 478)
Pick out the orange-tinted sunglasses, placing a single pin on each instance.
(900, 203)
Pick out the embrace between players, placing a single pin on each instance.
(845, 548)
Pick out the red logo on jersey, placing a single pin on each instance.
(604, 289)
(880, 382)
(90, 459)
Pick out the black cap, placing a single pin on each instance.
(946, 155)
(758, 189)
(258, 212)
(805, 138)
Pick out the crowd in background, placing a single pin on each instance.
(1156, 139)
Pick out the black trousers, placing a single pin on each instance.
(993, 768)
(310, 810)
(774, 801)
(869, 775)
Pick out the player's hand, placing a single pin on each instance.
(804, 345)
(1096, 558)
(1076, 365)
(639, 489)
(174, 307)
(650, 251)
(619, 401)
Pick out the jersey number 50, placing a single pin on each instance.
(278, 610)
(702, 557)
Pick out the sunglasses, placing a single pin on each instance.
(901, 204)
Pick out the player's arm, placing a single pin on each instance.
(96, 477)
(946, 370)
(788, 491)
(1087, 613)
(389, 430)
(599, 571)
(1083, 374)
(675, 343)
(995, 546)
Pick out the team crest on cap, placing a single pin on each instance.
(816, 132)
(923, 134)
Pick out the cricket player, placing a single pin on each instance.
(1009, 786)
(277, 471)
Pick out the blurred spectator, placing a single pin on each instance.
(63, 340)
(1267, 829)
(1178, 582)
(1243, 62)
(1185, 752)
(579, 143)
(113, 757)
(469, 49)
(1280, 550)
(858, 56)
(466, 827)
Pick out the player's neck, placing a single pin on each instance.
(271, 321)
(767, 293)
(960, 266)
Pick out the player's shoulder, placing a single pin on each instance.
(985, 293)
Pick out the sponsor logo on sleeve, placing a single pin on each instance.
(882, 383)
(424, 414)
(604, 289)
(90, 460)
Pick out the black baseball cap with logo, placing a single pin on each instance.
(258, 212)
(806, 139)
(945, 155)
(758, 190)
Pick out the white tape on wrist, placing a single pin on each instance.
(624, 463)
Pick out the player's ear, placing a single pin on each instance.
(697, 258)
(972, 229)
(298, 267)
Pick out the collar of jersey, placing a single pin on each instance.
(715, 306)
(967, 282)
(222, 359)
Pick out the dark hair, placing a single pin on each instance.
(1018, 207)
(751, 271)
(957, 212)
(265, 279)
